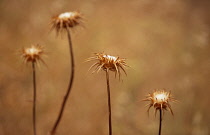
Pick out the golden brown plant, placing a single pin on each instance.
(160, 100)
(66, 20)
(32, 54)
(108, 62)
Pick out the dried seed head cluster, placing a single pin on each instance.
(108, 62)
(32, 54)
(66, 20)
(160, 100)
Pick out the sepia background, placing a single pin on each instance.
(165, 43)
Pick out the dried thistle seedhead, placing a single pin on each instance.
(160, 100)
(66, 20)
(108, 62)
(32, 54)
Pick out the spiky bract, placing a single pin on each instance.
(160, 100)
(33, 53)
(108, 62)
(66, 20)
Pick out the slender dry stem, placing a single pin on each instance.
(109, 102)
(160, 124)
(70, 84)
(34, 98)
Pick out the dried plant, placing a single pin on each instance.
(108, 63)
(33, 55)
(160, 101)
(66, 21)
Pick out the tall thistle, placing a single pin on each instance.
(108, 63)
(160, 101)
(33, 55)
(66, 21)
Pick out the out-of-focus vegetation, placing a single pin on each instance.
(166, 43)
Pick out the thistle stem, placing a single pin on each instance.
(160, 124)
(69, 86)
(34, 98)
(109, 102)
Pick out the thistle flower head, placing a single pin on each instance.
(108, 62)
(66, 20)
(160, 100)
(32, 54)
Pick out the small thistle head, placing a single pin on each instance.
(108, 62)
(33, 53)
(160, 100)
(66, 20)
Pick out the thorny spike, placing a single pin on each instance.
(92, 66)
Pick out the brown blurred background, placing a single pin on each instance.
(166, 43)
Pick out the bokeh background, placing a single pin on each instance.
(166, 44)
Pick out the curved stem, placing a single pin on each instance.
(109, 102)
(69, 86)
(34, 98)
(160, 124)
